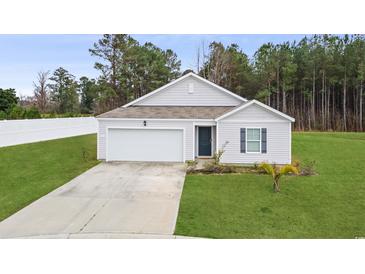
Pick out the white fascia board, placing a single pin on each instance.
(153, 119)
(180, 79)
(251, 121)
(291, 119)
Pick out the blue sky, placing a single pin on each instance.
(22, 56)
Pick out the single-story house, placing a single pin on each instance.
(191, 118)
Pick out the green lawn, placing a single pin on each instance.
(328, 205)
(28, 172)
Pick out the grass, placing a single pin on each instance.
(29, 171)
(328, 205)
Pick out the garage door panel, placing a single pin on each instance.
(145, 145)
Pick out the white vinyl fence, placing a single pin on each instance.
(15, 132)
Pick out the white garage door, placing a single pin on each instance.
(157, 145)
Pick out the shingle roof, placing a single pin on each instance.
(167, 112)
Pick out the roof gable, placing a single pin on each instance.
(265, 109)
(189, 90)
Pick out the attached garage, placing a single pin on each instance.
(145, 144)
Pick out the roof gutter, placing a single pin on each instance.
(154, 119)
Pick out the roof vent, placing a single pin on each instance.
(191, 87)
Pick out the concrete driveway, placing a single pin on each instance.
(111, 200)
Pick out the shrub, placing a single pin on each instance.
(191, 163)
(32, 113)
(191, 166)
(2, 115)
(212, 167)
(218, 155)
(17, 112)
(85, 154)
(64, 115)
(307, 168)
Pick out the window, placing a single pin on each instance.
(253, 140)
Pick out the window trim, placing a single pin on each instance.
(260, 140)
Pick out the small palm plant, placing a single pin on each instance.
(276, 173)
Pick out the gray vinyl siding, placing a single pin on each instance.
(278, 136)
(228, 129)
(103, 124)
(255, 113)
(178, 95)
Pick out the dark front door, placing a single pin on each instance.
(205, 141)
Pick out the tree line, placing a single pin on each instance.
(318, 80)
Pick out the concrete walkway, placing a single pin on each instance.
(111, 200)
